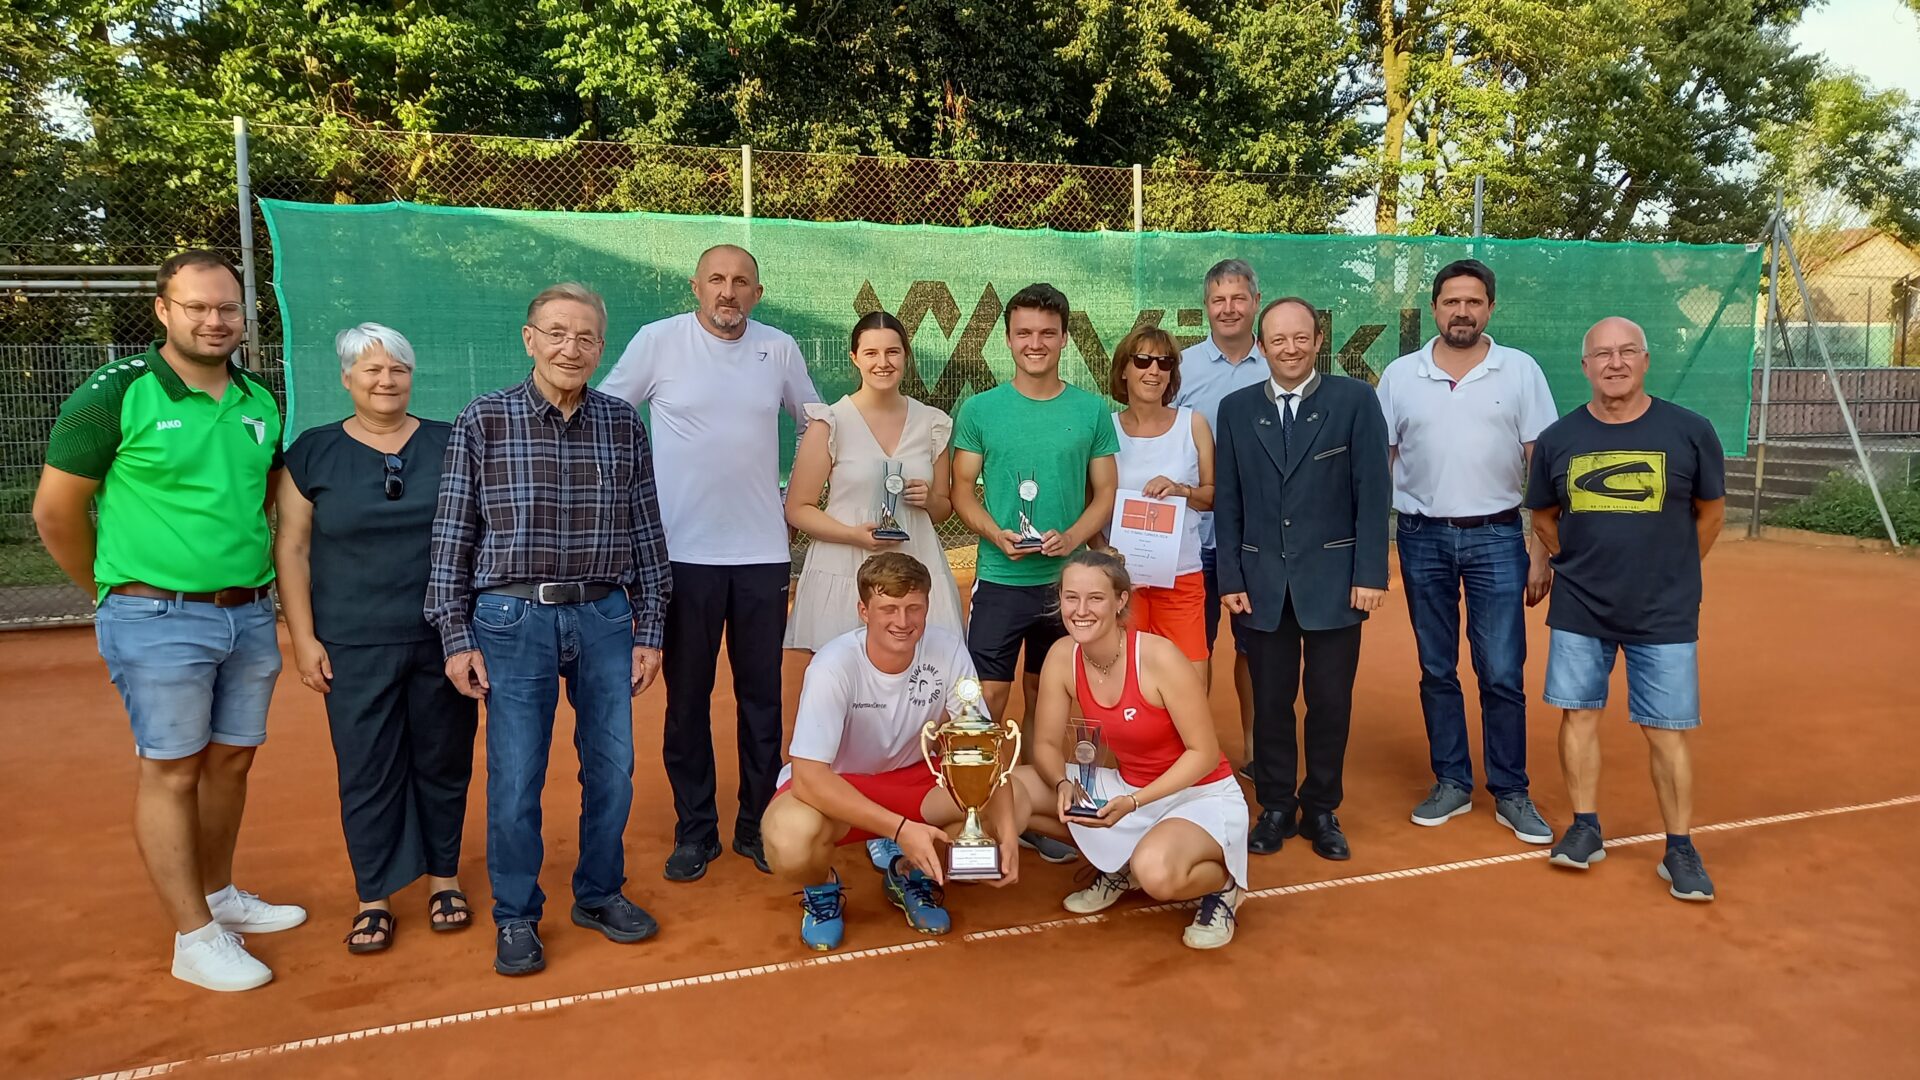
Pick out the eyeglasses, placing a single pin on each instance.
(1627, 353)
(197, 311)
(394, 485)
(559, 338)
(1143, 361)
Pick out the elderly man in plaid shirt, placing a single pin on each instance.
(549, 562)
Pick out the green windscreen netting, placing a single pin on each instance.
(456, 282)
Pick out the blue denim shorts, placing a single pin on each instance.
(1663, 681)
(190, 673)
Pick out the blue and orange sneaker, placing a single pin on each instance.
(915, 894)
(823, 921)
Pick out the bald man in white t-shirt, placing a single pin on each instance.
(716, 382)
(855, 769)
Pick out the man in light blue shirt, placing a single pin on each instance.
(1227, 360)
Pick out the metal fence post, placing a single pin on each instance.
(1479, 204)
(746, 181)
(1766, 364)
(1139, 200)
(1833, 378)
(249, 287)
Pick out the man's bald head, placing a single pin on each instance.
(1613, 356)
(1613, 329)
(726, 285)
(731, 250)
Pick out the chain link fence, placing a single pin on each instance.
(108, 205)
(1860, 309)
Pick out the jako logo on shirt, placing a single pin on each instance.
(165, 425)
(1617, 482)
(257, 426)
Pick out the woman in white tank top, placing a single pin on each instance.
(1165, 453)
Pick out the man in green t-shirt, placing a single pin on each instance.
(178, 450)
(1043, 452)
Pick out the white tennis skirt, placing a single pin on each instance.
(1218, 807)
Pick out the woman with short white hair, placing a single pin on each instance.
(351, 555)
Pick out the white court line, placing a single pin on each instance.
(932, 943)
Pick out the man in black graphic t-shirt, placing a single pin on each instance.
(1628, 493)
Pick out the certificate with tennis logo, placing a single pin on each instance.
(1147, 533)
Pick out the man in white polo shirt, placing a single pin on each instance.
(1462, 415)
(1227, 360)
(717, 382)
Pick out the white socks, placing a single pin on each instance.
(206, 933)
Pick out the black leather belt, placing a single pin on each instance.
(1504, 517)
(555, 592)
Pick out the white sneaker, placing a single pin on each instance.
(1105, 891)
(1212, 925)
(222, 963)
(244, 913)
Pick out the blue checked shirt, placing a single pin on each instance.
(528, 495)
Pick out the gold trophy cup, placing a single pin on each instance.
(976, 756)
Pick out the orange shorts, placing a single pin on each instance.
(1177, 614)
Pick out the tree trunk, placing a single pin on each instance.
(1395, 65)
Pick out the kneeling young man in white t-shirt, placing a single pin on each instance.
(855, 771)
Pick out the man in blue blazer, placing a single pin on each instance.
(1300, 512)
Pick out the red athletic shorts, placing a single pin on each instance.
(901, 791)
(1177, 614)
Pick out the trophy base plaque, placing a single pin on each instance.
(973, 862)
(1086, 811)
(895, 535)
(1029, 543)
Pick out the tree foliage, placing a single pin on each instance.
(1606, 119)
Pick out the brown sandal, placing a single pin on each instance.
(371, 921)
(442, 904)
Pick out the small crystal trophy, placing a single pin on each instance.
(891, 486)
(1030, 538)
(1084, 769)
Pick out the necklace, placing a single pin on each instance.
(1105, 669)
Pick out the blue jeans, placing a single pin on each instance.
(1663, 681)
(190, 673)
(1436, 561)
(528, 649)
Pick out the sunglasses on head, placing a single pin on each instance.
(394, 485)
(1143, 361)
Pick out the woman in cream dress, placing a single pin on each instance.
(850, 449)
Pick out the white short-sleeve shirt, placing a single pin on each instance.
(1460, 445)
(861, 720)
(715, 426)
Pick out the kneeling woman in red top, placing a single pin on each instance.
(1170, 820)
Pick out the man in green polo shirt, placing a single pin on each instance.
(1041, 451)
(178, 449)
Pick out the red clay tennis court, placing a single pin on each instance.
(1452, 950)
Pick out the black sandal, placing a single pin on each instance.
(371, 921)
(441, 904)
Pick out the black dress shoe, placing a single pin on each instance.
(1328, 841)
(1270, 831)
(689, 861)
(619, 918)
(516, 949)
(752, 848)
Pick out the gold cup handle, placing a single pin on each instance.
(1008, 759)
(930, 738)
